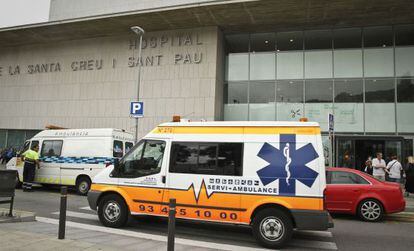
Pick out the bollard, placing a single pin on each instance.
(171, 225)
(62, 213)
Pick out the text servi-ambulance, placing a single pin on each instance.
(269, 175)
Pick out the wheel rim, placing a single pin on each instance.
(83, 187)
(371, 210)
(112, 211)
(272, 228)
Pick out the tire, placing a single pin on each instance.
(264, 231)
(371, 210)
(112, 211)
(83, 184)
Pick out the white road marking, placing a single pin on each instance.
(153, 237)
(86, 208)
(80, 215)
(326, 234)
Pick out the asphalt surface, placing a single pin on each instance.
(348, 234)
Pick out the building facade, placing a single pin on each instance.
(217, 60)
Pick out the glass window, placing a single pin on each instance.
(379, 90)
(262, 92)
(348, 63)
(237, 43)
(347, 38)
(51, 148)
(290, 65)
(319, 39)
(34, 144)
(289, 91)
(30, 134)
(318, 64)
(345, 153)
(3, 138)
(288, 41)
(404, 35)
(207, 158)
(235, 93)
(26, 146)
(405, 105)
(262, 66)
(118, 150)
(144, 159)
(404, 61)
(349, 91)
(237, 66)
(318, 91)
(405, 90)
(128, 146)
(15, 138)
(236, 112)
(262, 42)
(337, 177)
(378, 36)
(379, 62)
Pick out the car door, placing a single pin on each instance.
(343, 190)
(141, 176)
(50, 161)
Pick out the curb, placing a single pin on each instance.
(18, 216)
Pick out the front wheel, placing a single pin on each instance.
(272, 228)
(370, 210)
(113, 211)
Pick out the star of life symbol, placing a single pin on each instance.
(287, 164)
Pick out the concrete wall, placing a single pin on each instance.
(90, 83)
(66, 9)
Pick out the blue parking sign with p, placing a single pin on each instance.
(137, 109)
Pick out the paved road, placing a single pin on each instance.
(348, 234)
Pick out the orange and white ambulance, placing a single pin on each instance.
(269, 175)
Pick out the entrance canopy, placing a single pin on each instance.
(231, 16)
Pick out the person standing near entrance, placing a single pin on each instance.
(368, 166)
(31, 160)
(394, 168)
(409, 172)
(379, 167)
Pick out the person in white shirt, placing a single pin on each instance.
(379, 167)
(394, 168)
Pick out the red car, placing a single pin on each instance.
(354, 192)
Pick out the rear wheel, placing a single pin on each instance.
(83, 184)
(113, 211)
(272, 228)
(371, 210)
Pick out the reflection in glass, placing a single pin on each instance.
(237, 43)
(262, 42)
(288, 41)
(379, 90)
(262, 92)
(348, 91)
(318, 64)
(404, 61)
(235, 93)
(404, 35)
(378, 36)
(405, 90)
(289, 91)
(318, 39)
(318, 91)
(347, 38)
(290, 65)
(405, 105)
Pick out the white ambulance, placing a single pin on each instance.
(74, 156)
(269, 175)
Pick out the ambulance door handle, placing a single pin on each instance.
(163, 179)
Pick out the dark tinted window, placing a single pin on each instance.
(26, 146)
(318, 40)
(128, 146)
(118, 151)
(404, 35)
(207, 158)
(349, 91)
(338, 177)
(318, 91)
(379, 90)
(34, 143)
(405, 90)
(235, 93)
(287, 41)
(237, 43)
(347, 38)
(262, 42)
(51, 148)
(289, 91)
(144, 159)
(262, 92)
(378, 36)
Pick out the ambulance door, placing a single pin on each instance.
(141, 176)
(50, 155)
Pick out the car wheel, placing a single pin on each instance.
(272, 228)
(83, 184)
(371, 210)
(112, 211)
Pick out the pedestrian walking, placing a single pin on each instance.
(368, 167)
(31, 160)
(394, 168)
(409, 175)
(379, 167)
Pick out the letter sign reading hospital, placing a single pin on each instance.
(137, 109)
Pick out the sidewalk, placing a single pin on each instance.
(43, 236)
